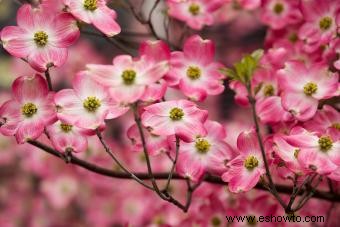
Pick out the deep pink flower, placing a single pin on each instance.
(288, 153)
(180, 117)
(30, 110)
(270, 110)
(246, 169)
(280, 13)
(40, 37)
(318, 154)
(95, 12)
(88, 105)
(155, 144)
(304, 86)
(128, 79)
(325, 121)
(206, 152)
(196, 13)
(194, 70)
(66, 137)
(321, 23)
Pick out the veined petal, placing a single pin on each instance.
(104, 19)
(66, 30)
(43, 58)
(29, 88)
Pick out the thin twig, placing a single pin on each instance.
(164, 176)
(48, 78)
(252, 102)
(173, 165)
(113, 41)
(148, 163)
(304, 200)
(108, 150)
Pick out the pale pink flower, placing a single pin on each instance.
(206, 152)
(30, 110)
(280, 13)
(189, 168)
(40, 37)
(66, 137)
(194, 70)
(321, 22)
(179, 117)
(247, 168)
(128, 79)
(304, 86)
(60, 190)
(87, 105)
(95, 12)
(195, 13)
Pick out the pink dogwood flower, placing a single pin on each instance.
(288, 153)
(87, 105)
(194, 70)
(129, 79)
(304, 86)
(318, 154)
(66, 137)
(247, 168)
(280, 13)
(195, 13)
(95, 12)
(178, 117)
(325, 121)
(155, 144)
(209, 152)
(30, 109)
(321, 23)
(40, 38)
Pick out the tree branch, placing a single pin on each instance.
(164, 176)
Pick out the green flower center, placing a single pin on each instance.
(251, 162)
(278, 8)
(325, 143)
(176, 114)
(202, 146)
(325, 23)
(193, 72)
(296, 153)
(216, 221)
(310, 88)
(129, 76)
(91, 104)
(40, 38)
(336, 126)
(90, 5)
(194, 9)
(268, 90)
(293, 37)
(29, 109)
(66, 128)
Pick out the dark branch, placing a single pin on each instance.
(164, 176)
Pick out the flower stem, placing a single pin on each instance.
(272, 187)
